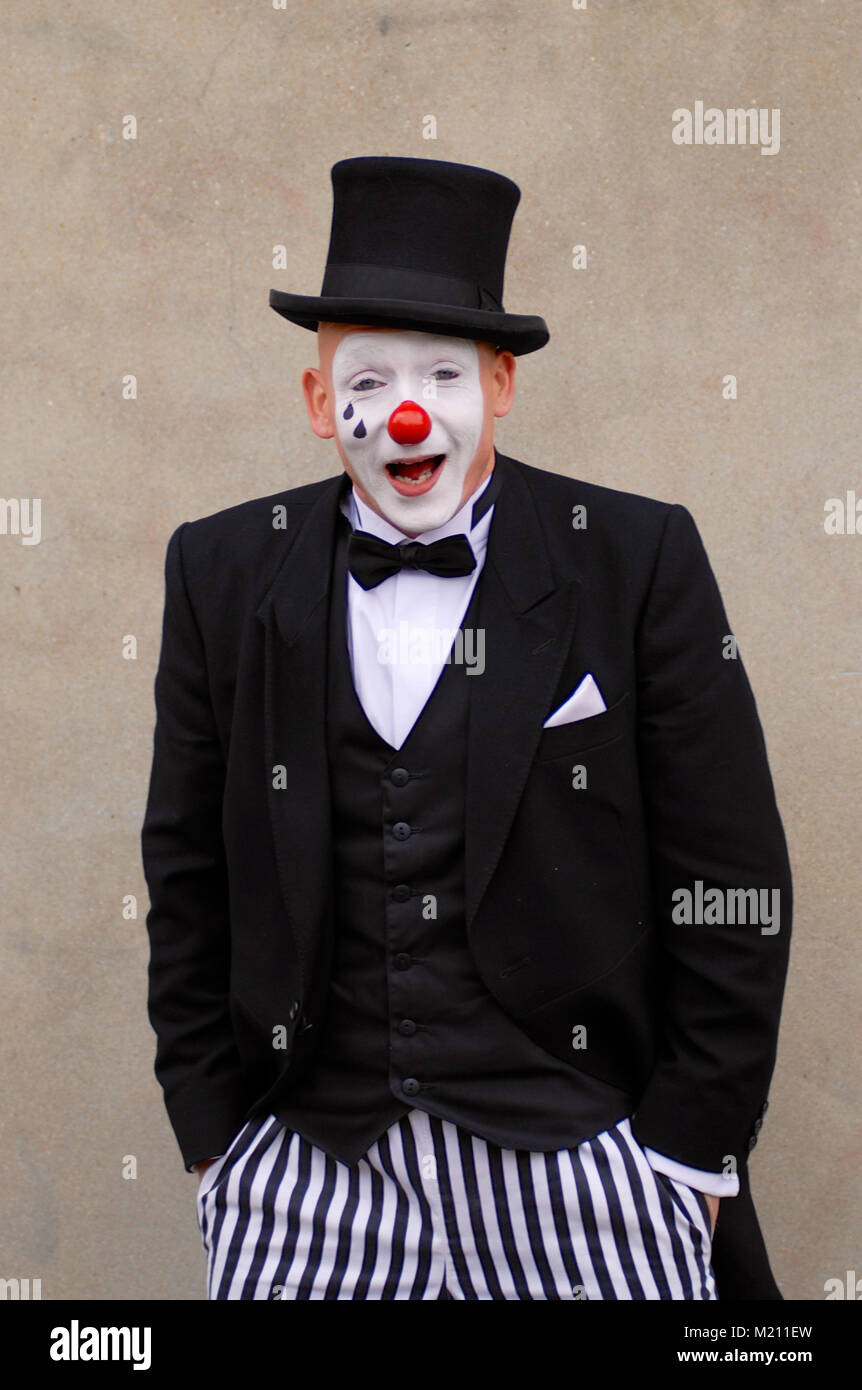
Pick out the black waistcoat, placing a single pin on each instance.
(409, 1021)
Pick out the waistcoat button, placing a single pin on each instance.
(401, 892)
(410, 1086)
(400, 776)
(407, 1027)
(402, 961)
(401, 830)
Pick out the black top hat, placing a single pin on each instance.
(418, 243)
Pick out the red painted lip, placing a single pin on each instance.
(405, 489)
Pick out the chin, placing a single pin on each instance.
(420, 513)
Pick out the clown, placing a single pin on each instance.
(502, 1069)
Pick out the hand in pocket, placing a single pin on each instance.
(713, 1204)
(205, 1163)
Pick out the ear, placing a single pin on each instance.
(503, 381)
(317, 403)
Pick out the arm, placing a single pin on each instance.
(197, 1063)
(711, 819)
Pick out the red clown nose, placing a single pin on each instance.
(409, 423)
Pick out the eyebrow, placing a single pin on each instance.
(373, 357)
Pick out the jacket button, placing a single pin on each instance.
(401, 830)
(407, 1027)
(400, 776)
(293, 1010)
(410, 1086)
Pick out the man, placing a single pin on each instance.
(470, 900)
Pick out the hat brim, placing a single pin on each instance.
(519, 333)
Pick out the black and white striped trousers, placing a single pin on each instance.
(433, 1212)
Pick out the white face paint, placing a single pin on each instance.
(373, 374)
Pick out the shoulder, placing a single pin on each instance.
(613, 528)
(245, 544)
(608, 505)
(249, 521)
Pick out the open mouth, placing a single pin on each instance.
(415, 475)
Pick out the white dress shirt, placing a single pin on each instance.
(408, 616)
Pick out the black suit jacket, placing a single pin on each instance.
(569, 891)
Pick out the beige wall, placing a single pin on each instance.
(153, 256)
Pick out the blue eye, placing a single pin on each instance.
(372, 379)
(451, 371)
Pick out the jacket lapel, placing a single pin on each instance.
(528, 619)
(294, 613)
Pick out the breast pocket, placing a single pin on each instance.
(568, 739)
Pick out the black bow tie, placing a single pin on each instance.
(371, 560)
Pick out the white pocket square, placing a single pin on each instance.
(583, 702)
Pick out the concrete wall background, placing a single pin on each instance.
(153, 256)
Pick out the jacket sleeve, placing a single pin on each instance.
(196, 1063)
(713, 828)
